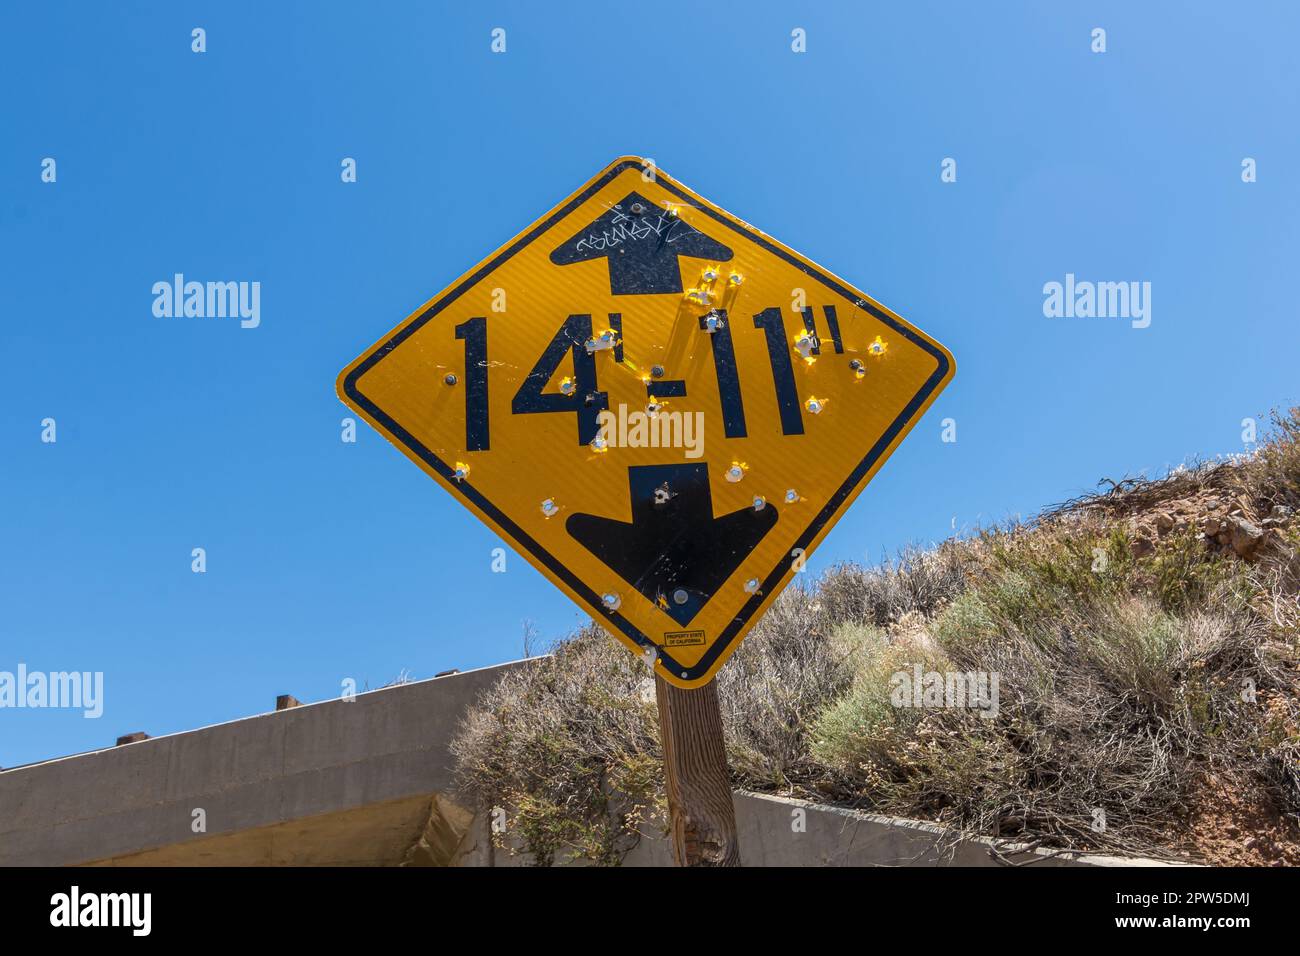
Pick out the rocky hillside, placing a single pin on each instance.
(1119, 675)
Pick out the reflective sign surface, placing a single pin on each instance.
(661, 408)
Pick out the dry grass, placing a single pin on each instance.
(570, 748)
(1124, 685)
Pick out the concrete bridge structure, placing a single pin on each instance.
(369, 782)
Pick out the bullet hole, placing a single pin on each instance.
(815, 405)
(549, 508)
(759, 502)
(735, 472)
(602, 343)
(611, 600)
(699, 300)
(751, 585)
(461, 472)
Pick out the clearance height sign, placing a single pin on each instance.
(663, 409)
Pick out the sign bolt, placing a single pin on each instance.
(450, 378)
(680, 596)
(657, 371)
(859, 370)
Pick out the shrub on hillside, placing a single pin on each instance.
(1139, 660)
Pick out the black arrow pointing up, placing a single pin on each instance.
(674, 548)
(642, 242)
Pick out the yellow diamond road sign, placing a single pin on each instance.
(663, 409)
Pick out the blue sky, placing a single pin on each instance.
(328, 560)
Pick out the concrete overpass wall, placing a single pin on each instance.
(277, 780)
(777, 831)
(369, 782)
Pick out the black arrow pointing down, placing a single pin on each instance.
(673, 547)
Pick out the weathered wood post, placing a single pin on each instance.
(701, 813)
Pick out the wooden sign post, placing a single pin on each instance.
(700, 808)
